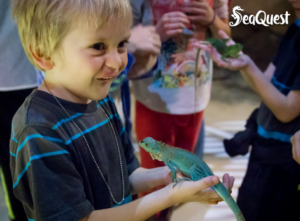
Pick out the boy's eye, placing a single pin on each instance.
(123, 44)
(98, 46)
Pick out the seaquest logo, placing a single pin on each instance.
(261, 18)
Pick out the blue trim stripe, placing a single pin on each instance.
(297, 22)
(280, 84)
(13, 137)
(274, 135)
(11, 153)
(65, 120)
(38, 157)
(128, 199)
(31, 220)
(33, 136)
(122, 131)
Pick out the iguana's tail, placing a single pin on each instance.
(223, 192)
(196, 83)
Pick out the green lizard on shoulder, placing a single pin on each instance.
(190, 165)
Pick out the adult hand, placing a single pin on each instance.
(171, 24)
(144, 41)
(199, 12)
(232, 63)
(295, 140)
(199, 191)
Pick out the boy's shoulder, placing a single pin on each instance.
(35, 111)
(41, 109)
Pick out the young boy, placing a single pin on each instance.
(71, 159)
(270, 189)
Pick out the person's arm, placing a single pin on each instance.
(143, 208)
(142, 179)
(295, 140)
(285, 107)
(200, 13)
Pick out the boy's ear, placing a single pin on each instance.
(43, 62)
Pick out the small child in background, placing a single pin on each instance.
(270, 189)
(71, 158)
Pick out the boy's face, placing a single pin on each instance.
(296, 5)
(90, 60)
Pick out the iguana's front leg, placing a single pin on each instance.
(172, 168)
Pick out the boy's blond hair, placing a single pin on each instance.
(43, 24)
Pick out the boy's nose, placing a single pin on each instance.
(114, 60)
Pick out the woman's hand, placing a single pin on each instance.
(171, 24)
(232, 63)
(199, 191)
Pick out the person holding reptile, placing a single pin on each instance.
(71, 158)
(270, 189)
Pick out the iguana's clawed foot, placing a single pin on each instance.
(181, 179)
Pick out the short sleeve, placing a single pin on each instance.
(221, 8)
(45, 179)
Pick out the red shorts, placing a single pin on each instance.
(175, 130)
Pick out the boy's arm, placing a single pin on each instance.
(268, 74)
(145, 207)
(285, 108)
(142, 180)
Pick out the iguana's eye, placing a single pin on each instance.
(146, 144)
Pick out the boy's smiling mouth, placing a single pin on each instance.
(104, 78)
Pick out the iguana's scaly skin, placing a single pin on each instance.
(231, 51)
(189, 164)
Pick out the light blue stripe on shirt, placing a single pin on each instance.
(88, 130)
(33, 136)
(13, 136)
(274, 135)
(38, 157)
(65, 120)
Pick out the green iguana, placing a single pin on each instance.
(190, 165)
(231, 51)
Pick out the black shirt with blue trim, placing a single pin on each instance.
(286, 78)
(54, 174)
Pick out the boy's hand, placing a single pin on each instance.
(144, 41)
(232, 63)
(199, 191)
(171, 24)
(199, 12)
(295, 140)
(166, 175)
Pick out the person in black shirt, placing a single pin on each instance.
(270, 189)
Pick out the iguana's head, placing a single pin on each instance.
(152, 147)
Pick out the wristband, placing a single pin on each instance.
(213, 20)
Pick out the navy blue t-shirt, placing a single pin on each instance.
(286, 78)
(54, 174)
